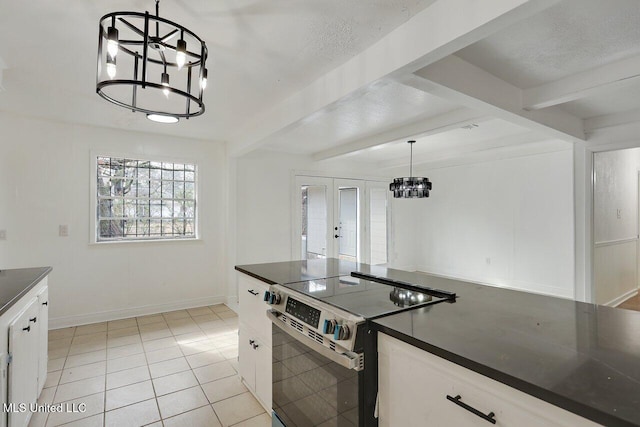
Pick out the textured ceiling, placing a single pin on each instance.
(573, 36)
(260, 51)
(385, 105)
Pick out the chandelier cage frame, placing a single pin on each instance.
(410, 187)
(195, 62)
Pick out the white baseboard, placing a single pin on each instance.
(622, 298)
(103, 316)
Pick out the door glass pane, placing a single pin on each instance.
(348, 241)
(378, 225)
(314, 221)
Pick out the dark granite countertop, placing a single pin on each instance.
(299, 271)
(581, 357)
(15, 283)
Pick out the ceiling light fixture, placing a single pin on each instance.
(148, 60)
(162, 119)
(410, 187)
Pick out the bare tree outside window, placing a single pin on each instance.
(143, 199)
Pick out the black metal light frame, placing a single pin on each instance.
(195, 63)
(410, 187)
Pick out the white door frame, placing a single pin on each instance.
(299, 178)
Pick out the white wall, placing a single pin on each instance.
(503, 222)
(45, 181)
(615, 217)
(264, 201)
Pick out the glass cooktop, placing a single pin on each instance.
(362, 297)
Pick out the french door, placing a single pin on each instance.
(340, 218)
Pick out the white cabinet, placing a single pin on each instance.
(43, 336)
(254, 335)
(23, 353)
(414, 385)
(23, 369)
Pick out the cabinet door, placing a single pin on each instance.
(247, 356)
(43, 336)
(23, 369)
(263, 373)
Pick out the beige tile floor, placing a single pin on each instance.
(171, 369)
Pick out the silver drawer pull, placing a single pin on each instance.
(458, 401)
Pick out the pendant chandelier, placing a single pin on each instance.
(410, 187)
(152, 65)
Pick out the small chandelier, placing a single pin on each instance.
(151, 65)
(410, 187)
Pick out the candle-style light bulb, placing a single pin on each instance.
(112, 41)
(165, 82)
(181, 53)
(111, 66)
(203, 81)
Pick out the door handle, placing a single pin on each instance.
(45, 303)
(33, 319)
(336, 236)
(28, 328)
(252, 292)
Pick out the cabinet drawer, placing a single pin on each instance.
(252, 308)
(424, 381)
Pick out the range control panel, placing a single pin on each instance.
(327, 324)
(303, 312)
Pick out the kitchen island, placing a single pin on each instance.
(581, 357)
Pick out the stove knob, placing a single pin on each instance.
(267, 296)
(275, 298)
(329, 326)
(342, 332)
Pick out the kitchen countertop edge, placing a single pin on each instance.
(255, 276)
(32, 283)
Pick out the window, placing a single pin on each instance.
(144, 200)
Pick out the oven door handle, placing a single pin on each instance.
(349, 360)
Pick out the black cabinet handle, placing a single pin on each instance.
(45, 303)
(252, 292)
(255, 346)
(336, 236)
(458, 401)
(33, 319)
(251, 342)
(28, 328)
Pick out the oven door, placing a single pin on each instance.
(309, 388)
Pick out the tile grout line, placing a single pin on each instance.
(175, 333)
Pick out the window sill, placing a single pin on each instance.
(145, 241)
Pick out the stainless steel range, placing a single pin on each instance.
(321, 346)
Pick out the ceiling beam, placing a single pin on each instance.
(439, 30)
(3, 67)
(499, 153)
(462, 150)
(460, 82)
(425, 127)
(611, 120)
(584, 84)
